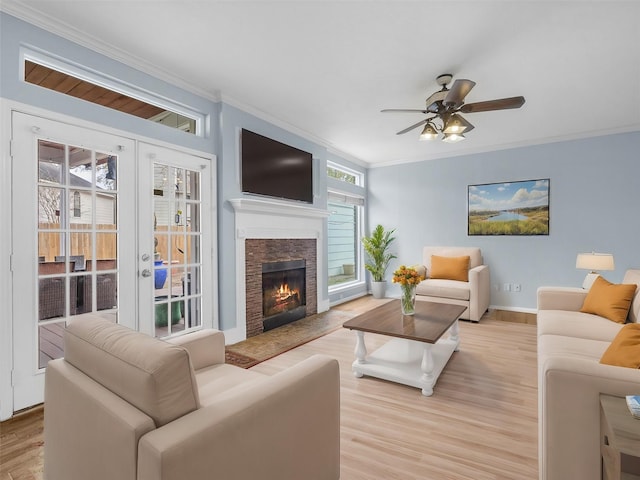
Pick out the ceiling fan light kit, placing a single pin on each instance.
(444, 106)
(453, 137)
(429, 132)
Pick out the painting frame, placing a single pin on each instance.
(511, 208)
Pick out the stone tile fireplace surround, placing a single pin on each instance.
(266, 250)
(272, 230)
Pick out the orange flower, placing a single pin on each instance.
(407, 276)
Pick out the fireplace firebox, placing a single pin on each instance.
(283, 293)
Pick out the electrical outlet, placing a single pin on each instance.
(506, 287)
(517, 287)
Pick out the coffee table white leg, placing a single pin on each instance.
(361, 352)
(454, 335)
(427, 371)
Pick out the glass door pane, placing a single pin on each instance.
(180, 186)
(77, 239)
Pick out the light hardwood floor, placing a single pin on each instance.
(480, 424)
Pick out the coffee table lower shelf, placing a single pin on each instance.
(409, 362)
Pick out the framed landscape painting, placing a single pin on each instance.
(509, 208)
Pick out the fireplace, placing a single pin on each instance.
(283, 293)
(266, 261)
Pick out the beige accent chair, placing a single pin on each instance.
(123, 405)
(474, 294)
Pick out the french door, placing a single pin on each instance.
(86, 209)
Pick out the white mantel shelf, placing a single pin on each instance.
(252, 205)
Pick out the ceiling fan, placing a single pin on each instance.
(445, 106)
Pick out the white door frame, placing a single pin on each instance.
(6, 248)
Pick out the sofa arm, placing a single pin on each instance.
(205, 347)
(480, 291)
(285, 427)
(569, 416)
(561, 298)
(89, 431)
(421, 269)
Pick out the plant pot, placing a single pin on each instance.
(348, 268)
(378, 289)
(162, 312)
(160, 274)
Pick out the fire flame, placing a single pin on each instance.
(283, 292)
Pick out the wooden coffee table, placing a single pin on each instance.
(418, 353)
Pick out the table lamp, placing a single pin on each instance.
(593, 261)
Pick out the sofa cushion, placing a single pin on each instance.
(214, 380)
(154, 376)
(624, 350)
(450, 268)
(609, 300)
(563, 346)
(576, 324)
(444, 288)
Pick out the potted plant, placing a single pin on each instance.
(377, 249)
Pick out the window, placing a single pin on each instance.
(59, 76)
(342, 243)
(346, 199)
(343, 175)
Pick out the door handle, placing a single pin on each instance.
(146, 273)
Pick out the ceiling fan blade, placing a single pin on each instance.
(459, 90)
(404, 110)
(421, 122)
(499, 104)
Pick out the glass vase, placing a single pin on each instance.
(408, 299)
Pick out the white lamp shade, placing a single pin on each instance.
(595, 261)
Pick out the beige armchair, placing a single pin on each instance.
(123, 405)
(475, 294)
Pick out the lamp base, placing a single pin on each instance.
(589, 279)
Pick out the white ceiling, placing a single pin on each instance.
(326, 68)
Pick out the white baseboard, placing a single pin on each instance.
(513, 309)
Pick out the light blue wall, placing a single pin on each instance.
(594, 200)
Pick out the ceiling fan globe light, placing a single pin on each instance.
(455, 124)
(428, 133)
(453, 137)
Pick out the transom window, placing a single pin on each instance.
(56, 75)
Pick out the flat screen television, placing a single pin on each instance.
(274, 169)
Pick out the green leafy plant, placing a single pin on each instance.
(377, 248)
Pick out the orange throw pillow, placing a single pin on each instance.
(450, 268)
(609, 300)
(624, 350)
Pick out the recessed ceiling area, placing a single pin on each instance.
(327, 69)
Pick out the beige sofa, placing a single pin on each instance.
(474, 294)
(122, 405)
(571, 378)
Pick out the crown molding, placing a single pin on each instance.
(512, 145)
(71, 33)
